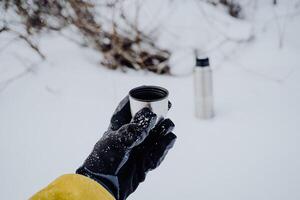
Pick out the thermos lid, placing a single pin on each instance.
(202, 62)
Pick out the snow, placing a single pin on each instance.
(51, 117)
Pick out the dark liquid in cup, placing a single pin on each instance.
(148, 93)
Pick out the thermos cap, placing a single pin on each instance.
(202, 62)
(153, 97)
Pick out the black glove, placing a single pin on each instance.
(128, 150)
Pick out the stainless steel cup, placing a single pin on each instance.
(153, 97)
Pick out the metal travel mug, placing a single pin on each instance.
(153, 97)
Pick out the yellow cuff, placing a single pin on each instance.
(73, 187)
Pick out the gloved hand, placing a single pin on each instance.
(129, 149)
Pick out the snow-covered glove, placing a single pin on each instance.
(128, 150)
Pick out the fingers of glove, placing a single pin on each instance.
(121, 116)
(135, 133)
(164, 127)
(160, 150)
(129, 136)
(145, 120)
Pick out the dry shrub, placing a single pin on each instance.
(132, 49)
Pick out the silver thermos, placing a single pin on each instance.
(203, 85)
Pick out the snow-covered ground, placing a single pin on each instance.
(51, 116)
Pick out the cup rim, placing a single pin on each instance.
(153, 87)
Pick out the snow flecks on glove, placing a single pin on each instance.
(145, 119)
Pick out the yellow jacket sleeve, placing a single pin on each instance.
(73, 187)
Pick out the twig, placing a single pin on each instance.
(26, 39)
(3, 29)
(33, 46)
(28, 70)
